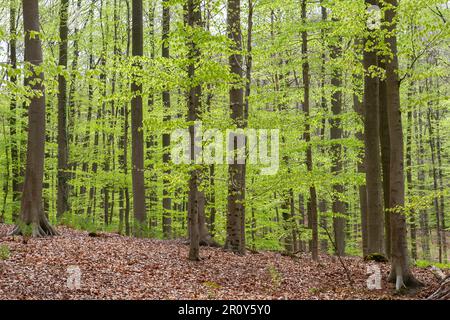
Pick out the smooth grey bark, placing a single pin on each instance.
(32, 220)
(235, 239)
(372, 148)
(400, 271)
(137, 132)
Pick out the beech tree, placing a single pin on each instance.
(137, 124)
(372, 146)
(121, 74)
(400, 270)
(236, 184)
(32, 219)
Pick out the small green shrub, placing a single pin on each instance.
(5, 253)
(275, 276)
(426, 264)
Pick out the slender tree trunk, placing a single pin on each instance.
(72, 137)
(409, 181)
(400, 270)
(249, 59)
(423, 214)
(15, 156)
(123, 144)
(359, 109)
(312, 203)
(63, 148)
(431, 140)
(385, 160)
(152, 139)
(87, 137)
(441, 187)
(6, 175)
(32, 211)
(167, 201)
(336, 151)
(323, 104)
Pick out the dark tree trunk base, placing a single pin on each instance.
(209, 242)
(409, 281)
(38, 230)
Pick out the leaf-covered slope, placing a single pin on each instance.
(116, 267)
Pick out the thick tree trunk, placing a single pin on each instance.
(373, 165)
(32, 220)
(196, 199)
(62, 202)
(400, 270)
(137, 132)
(235, 240)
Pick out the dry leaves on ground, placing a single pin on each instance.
(116, 267)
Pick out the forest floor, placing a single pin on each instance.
(117, 267)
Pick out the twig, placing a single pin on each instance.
(347, 272)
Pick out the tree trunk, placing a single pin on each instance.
(423, 214)
(152, 138)
(359, 109)
(63, 148)
(385, 161)
(196, 199)
(124, 199)
(167, 201)
(441, 187)
(312, 203)
(409, 181)
(235, 239)
(336, 150)
(400, 271)
(32, 211)
(439, 229)
(15, 156)
(137, 133)
(371, 128)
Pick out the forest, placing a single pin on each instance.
(224, 149)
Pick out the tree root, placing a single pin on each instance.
(209, 242)
(404, 282)
(35, 230)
